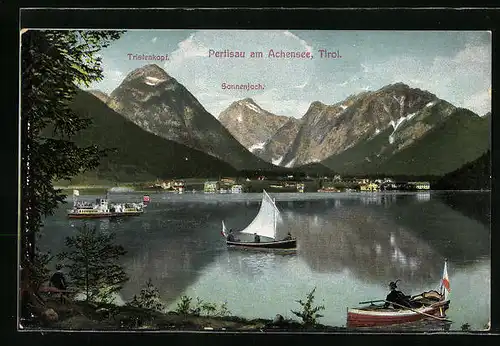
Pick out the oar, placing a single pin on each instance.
(420, 312)
(372, 301)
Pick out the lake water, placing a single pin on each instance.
(350, 246)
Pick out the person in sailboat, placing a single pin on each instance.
(396, 296)
(256, 238)
(231, 237)
(288, 236)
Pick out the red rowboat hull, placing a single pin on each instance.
(363, 318)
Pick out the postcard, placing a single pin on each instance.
(255, 180)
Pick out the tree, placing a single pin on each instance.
(41, 272)
(149, 298)
(53, 66)
(94, 268)
(309, 313)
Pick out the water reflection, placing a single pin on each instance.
(352, 243)
(369, 244)
(423, 196)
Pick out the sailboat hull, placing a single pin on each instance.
(279, 244)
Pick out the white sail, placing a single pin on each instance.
(266, 220)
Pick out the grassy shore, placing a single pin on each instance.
(86, 316)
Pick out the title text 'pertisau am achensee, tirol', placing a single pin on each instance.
(274, 53)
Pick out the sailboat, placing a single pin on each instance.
(264, 225)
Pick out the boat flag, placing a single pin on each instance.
(445, 282)
(223, 232)
(76, 193)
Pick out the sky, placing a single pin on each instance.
(453, 65)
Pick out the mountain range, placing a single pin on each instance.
(394, 130)
(159, 104)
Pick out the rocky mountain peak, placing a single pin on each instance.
(248, 100)
(251, 125)
(150, 74)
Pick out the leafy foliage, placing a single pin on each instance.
(465, 327)
(309, 313)
(184, 305)
(149, 298)
(40, 271)
(201, 308)
(53, 65)
(94, 268)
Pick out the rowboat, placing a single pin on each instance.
(265, 225)
(426, 305)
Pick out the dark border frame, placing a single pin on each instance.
(232, 18)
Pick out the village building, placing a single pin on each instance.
(211, 187)
(369, 187)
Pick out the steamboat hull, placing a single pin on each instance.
(102, 215)
(373, 318)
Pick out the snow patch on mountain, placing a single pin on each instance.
(257, 146)
(377, 131)
(240, 118)
(153, 81)
(402, 105)
(290, 164)
(396, 124)
(409, 116)
(430, 104)
(386, 109)
(313, 160)
(277, 161)
(253, 107)
(344, 107)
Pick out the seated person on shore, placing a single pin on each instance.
(288, 236)
(397, 297)
(58, 281)
(256, 238)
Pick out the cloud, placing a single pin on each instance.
(304, 43)
(301, 86)
(462, 79)
(480, 101)
(112, 78)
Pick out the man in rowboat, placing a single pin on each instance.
(397, 297)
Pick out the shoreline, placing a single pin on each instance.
(80, 315)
